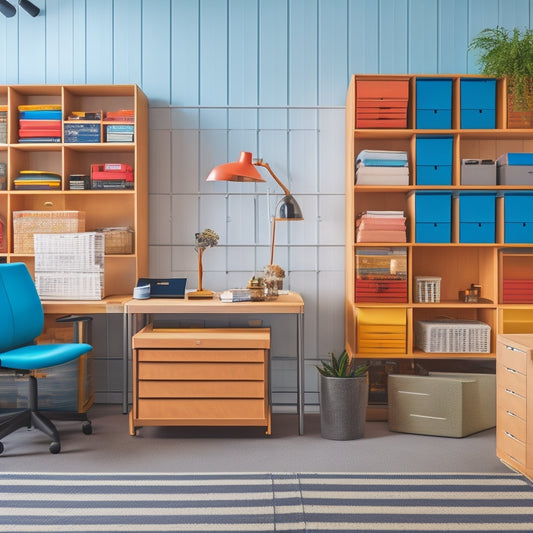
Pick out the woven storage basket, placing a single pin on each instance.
(27, 223)
(69, 266)
(118, 240)
(452, 336)
(427, 289)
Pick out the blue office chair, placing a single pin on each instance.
(21, 322)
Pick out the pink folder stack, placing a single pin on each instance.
(381, 226)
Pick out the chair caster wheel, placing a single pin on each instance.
(87, 428)
(1, 448)
(55, 447)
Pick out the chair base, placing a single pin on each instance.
(33, 418)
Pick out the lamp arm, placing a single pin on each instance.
(273, 240)
(267, 166)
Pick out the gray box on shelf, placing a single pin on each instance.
(478, 172)
(515, 174)
(442, 403)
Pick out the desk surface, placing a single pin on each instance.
(285, 303)
(110, 304)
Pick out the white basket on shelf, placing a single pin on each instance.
(450, 335)
(427, 289)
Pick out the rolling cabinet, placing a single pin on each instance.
(514, 379)
(102, 208)
(201, 377)
(469, 233)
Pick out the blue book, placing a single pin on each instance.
(48, 114)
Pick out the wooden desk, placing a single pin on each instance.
(291, 303)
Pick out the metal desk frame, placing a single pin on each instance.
(291, 303)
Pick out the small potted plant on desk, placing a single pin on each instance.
(343, 397)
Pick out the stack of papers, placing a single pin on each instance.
(381, 226)
(382, 167)
(236, 295)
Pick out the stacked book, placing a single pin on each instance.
(382, 167)
(120, 133)
(381, 226)
(3, 124)
(517, 291)
(40, 123)
(381, 275)
(37, 179)
(123, 115)
(236, 295)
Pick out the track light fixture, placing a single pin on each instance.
(9, 10)
(30, 8)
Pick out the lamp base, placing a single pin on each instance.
(201, 295)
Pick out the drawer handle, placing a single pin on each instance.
(513, 371)
(511, 436)
(198, 342)
(512, 414)
(510, 348)
(509, 391)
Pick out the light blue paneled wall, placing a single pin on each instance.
(266, 76)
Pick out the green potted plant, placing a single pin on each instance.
(343, 397)
(509, 53)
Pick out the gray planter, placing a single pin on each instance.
(343, 403)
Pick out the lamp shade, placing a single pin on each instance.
(288, 209)
(241, 170)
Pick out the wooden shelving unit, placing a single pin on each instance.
(103, 208)
(458, 264)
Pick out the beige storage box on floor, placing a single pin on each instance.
(442, 403)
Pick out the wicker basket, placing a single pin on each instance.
(27, 223)
(452, 336)
(118, 240)
(427, 289)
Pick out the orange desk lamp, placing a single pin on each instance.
(245, 170)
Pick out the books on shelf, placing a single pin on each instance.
(40, 123)
(382, 167)
(381, 226)
(37, 180)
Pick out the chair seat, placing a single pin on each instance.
(36, 356)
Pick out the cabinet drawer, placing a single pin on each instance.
(201, 389)
(512, 358)
(201, 371)
(511, 379)
(512, 424)
(511, 401)
(510, 445)
(201, 355)
(208, 409)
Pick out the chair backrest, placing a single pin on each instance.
(21, 312)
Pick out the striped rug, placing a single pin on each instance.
(265, 502)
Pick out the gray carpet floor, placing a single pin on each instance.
(111, 449)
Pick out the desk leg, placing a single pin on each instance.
(300, 372)
(128, 332)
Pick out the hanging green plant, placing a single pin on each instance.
(508, 53)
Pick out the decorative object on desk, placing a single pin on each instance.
(257, 288)
(206, 239)
(343, 397)
(273, 276)
(509, 53)
(244, 170)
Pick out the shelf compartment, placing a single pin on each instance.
(458, 268)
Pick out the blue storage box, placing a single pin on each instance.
(434, 156)
(477, 217)
(478, 103)
(518, 209)
(433, 215)
(434, 104)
